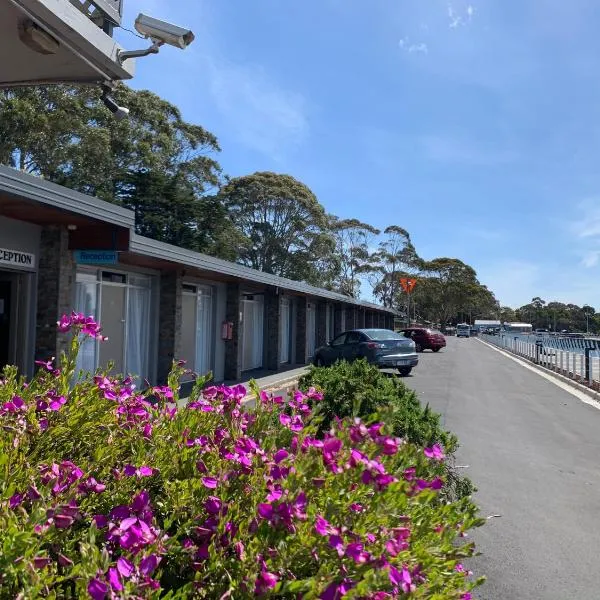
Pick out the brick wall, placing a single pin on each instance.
(337, 320)
(55, 291)
(233, 364)
(169, 328)
(272, 333)
(322, 308)
(301, 345)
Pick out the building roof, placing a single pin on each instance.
(30, 187)
(149, 247)
(23, 185)
(82, 52)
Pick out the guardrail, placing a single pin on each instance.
(578, 360)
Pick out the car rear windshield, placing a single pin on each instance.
(383, 334)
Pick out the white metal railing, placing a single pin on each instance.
(106, 13)
(580, 362)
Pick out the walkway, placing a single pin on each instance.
(533, 451)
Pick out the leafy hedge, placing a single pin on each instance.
(109, 492)
(358, 389)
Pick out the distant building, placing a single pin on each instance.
(487, 324)
(518, 327)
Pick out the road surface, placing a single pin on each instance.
(533, 451)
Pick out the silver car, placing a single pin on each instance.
(381, 347)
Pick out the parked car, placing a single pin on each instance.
(381, 347)
(425, 339)
(463, 330)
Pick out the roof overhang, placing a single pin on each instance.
(158, 255)
(84, 54)
(94, 224)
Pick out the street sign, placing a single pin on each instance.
(407, 284)
(96, 257)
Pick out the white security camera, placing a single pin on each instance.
(119, 112)
(163, 32)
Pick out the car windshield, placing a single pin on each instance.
(383, 334)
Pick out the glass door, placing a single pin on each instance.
(113, 311)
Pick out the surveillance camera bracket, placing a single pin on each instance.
(124, 55)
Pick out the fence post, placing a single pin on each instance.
(538, 347)
(588, 365)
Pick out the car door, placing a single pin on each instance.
(335, 350)
(352, 346)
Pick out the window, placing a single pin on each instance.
(122, 304)
(339, 340)
(353, 338)
(384, 334)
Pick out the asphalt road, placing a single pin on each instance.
(533, 451)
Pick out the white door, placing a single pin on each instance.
(253, 332)
(284, 331)
(204, 331)
(112, 318)
(311, 329)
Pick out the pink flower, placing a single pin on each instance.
(125, 567)
(114, 579)
(97, 589)
(466, 596)
(435, 452)
(213, 505)
(210, 482)
(264, 582)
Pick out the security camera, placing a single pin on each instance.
(120, 112)
(163, 32)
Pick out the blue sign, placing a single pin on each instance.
(96, 257)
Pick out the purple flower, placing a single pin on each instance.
(63, 521)
(210, 482)
(101, 521)
(148, 564)
(97, 589)
(336, 542)
(264, 582)
(356, 552)
(114, 579)
(285, 420)
(280, 455)
(125, 567)
(41, 562)
(15, 500)
(435, 452)
(265, 511)
(213, 505)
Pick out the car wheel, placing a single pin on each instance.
(405, 371)
(418, 348)
(319, 362)
(436, 349)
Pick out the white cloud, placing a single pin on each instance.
(264, 116)
(412, 48)
(591, 259)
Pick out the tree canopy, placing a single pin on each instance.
(282, 224)
(165, 170)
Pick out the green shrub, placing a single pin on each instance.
(358, 389)
(108, 492)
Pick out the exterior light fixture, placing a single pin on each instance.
(37, 39)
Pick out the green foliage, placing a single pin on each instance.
(153, 162)
(210, 501)
(558, 316)
(358, 389)
(281, 222)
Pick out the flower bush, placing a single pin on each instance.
(358, 389)
(112, 492)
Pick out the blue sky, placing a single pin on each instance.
(473, 124)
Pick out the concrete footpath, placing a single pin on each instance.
(532, 450)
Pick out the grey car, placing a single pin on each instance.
(381, 347)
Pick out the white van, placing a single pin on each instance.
(463, 330)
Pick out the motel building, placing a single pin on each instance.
(61, 250)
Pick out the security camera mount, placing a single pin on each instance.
(127, 54)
